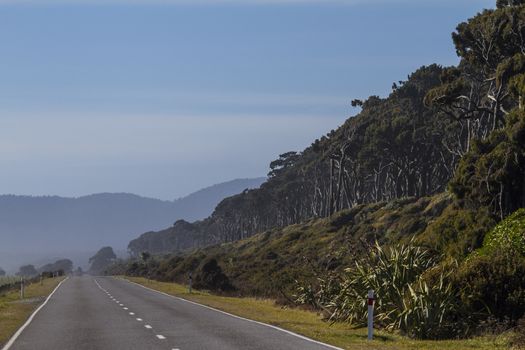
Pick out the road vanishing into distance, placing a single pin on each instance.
(105, 313)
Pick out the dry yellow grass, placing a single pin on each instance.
(311, 325)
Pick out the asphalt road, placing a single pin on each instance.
(106, 313)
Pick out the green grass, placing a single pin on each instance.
(311, 325)
(13, 312)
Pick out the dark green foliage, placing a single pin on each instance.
(404, 299)
(491, 175)
(267, 264)
(493, 285)
(493, 278)
(508, 3)
(2, 272)
(211, 277)
(508, 235)
(457, 231)
(285, 161)
(485, 87)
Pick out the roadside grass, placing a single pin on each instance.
(311, 325)
(14, 312)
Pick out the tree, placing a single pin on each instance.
(144, 256)
(211, 277)
(285, 161)
(491, 174)
(2, 272)
(27, 271)
(477, 93)
(64, 265)
(509, 3)
(101, 260)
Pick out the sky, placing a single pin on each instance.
(163, 97)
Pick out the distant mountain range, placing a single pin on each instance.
(61, 227)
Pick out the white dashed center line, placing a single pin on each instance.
(159, 336)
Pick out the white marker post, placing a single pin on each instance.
(370, 314)
(21, 288)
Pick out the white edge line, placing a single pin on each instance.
(239, 317)
(21, 329)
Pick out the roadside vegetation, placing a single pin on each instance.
(312, 325)
(14, 312)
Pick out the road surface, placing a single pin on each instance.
(103, 313)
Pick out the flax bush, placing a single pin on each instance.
(405, 301)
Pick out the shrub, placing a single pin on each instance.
(507, 235)
(518, 340)
(457, 231)
(405, 300)
(493, 284)
(430, 310)
(211, 277)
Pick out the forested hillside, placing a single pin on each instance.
(396, 147)
(268, 263)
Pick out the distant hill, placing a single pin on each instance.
(56, 226)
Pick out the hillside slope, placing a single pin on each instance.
(394, 148)
(268, 263)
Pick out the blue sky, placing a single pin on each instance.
(163, 97)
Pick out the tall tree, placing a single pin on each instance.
(101, 260)
(27, 271)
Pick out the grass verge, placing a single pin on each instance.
(14, 312)
(311, 325)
